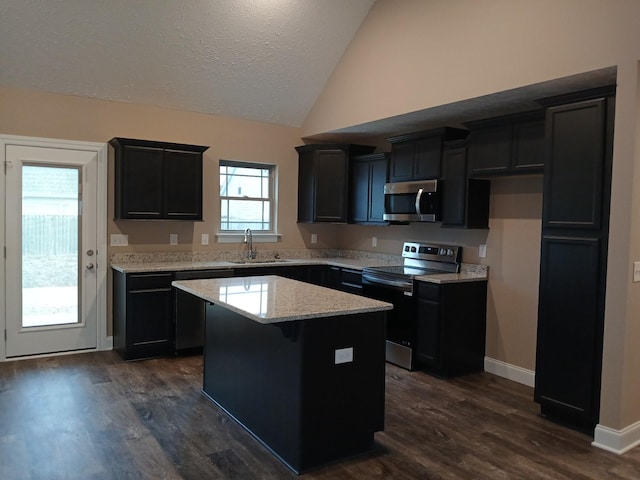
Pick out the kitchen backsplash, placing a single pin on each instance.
(225, 256)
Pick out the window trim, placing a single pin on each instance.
(259, 236)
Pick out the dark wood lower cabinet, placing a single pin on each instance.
(570, 331)
(142, 314)
(451, 327)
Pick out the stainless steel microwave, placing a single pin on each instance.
(415, 201)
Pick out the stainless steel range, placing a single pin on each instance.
(395, 284)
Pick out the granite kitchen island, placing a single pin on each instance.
(301, 367)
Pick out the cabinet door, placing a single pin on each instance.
(377, 179)
(149, 315)
(490, 150)
(306, 186)
(528, 146)
(428, 154)
(454, 186)
(331, 186)
(569, 337)
(402, 161)
(183, 185)
(142, 182)
(351, 281)
(574, 173)
(367, 176)
(359, 174)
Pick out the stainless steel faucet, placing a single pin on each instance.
(248, 239)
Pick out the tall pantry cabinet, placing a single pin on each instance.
(575, 229)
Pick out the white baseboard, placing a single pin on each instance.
(106, 344)
(617, 441)
(511, 372)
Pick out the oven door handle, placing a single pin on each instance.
(396, 285)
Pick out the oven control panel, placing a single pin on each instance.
(434, 252)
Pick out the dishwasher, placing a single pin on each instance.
(189, 312)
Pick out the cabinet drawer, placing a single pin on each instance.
(148, 281)
(351, 277)
(429, 291)
(203, 274)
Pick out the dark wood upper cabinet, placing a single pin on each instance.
(465, 201)
(574, 179)
(157, 180)
(508, 145)
(323, 178)
(367, 176)
(417, 156)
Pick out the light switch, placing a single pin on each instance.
(636, 272)
(374, 241)
(173, 239)
(205, 239)
(314, 238)
(343, 355)
(482, 251)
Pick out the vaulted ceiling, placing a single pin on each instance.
(263, 60)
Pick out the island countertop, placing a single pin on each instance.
(273, 299)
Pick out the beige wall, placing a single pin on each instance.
(412, 55)
(75, 118)
(513, 253)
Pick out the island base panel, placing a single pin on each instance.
(281, 382)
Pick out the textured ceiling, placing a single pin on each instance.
(264, 60)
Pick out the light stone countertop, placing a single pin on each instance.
(272, 299)
(165, 266)
(468, 272)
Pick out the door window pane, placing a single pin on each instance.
(50, 232)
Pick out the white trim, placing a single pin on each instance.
(239, 237)
(107, 343)
(617, 441)
(101, 149)
(510, 372)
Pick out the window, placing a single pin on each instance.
(247, 197)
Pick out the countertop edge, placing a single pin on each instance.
(374, 305)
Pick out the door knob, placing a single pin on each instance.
(90, 266)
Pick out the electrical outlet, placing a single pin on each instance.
(205, 239)
(482, 251)
(173, 239)
(374, 241)
(636, 272)
(343, 355)
(119, 240)
(314, 238)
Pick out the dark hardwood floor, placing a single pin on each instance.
(93, 416)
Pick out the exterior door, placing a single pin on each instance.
(51, 264)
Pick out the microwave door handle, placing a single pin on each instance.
(419, 201)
